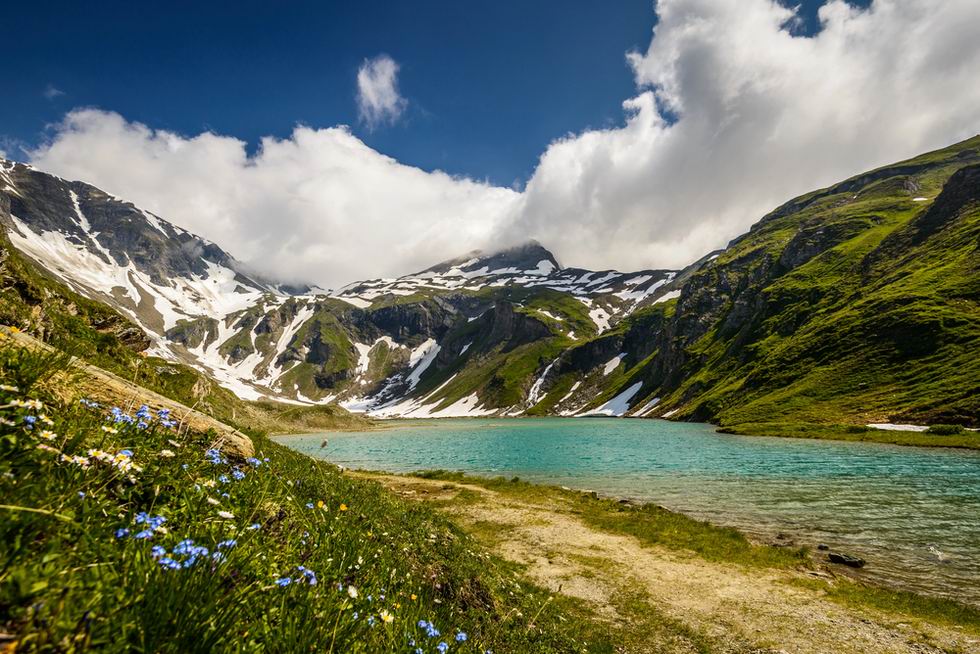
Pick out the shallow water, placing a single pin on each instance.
(913, 513)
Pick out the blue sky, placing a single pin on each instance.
(727, 109)
(488, 84)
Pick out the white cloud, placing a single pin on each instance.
(762, 115)
(51, 92)
(378, 99)
(319, 206)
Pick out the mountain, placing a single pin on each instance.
(387, 346)
(852, 304)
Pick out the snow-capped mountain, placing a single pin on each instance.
(481, 334)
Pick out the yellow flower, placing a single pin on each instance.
(414, 597)
(343, 507)
(319, 504)
(109, 430)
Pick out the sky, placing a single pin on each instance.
(328, 142)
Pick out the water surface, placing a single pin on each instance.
(913, 513)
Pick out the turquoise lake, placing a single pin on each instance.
(913, 513)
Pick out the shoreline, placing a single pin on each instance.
(698, 574)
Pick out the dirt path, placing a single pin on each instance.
(714, 606)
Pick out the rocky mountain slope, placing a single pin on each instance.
(856, 303)
(387, 346)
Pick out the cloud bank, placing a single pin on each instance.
(734, 114)
(378, 98)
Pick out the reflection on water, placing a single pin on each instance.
(913, 513)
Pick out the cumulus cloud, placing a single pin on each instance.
(735, 112)
(378, 98)
(761, 114)
(318, 206)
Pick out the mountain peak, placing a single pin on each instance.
(527, 256)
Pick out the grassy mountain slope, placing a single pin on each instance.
(855, 304)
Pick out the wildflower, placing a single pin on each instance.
(414, 597)
(167, 454)
(214, 457)
(48, 435)
(442, 647)
(163, 414)
(309, 505)
(231, 542)
(283, 581)
(238, 475)
(227, 515)
(213, 501)
(223, 479)
(47, 448)
(370, 620)
(141, 425)
(157, 551)
(308, 574)
(210, 483)
(386, 617)
(35, 405)
(109, 430)
(143, 413)
(89, 403)
(169, 563)
(320, 504)
(80, 461)
(45, 419)
(144, 535)
(254, 526)
(460, 637)
(122, 532)
(252, 461)
(343, 507)
(81, 494)
(8, 388)
(29, 421)
(352, 592)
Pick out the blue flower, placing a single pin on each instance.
(283, 581)
(252, 461)
(128, 453)
(254, 526)
(145, 534)
(29, 421)
(157, 551)
(442, 647)
(309, 505)
(214, 456)
(141, 425)
(231, 542)
(168, 563)
(460, 637)
(238, 475)
(122, 532)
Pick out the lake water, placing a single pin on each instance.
(912, 513)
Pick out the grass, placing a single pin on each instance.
(99, 513)
(651, 524)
